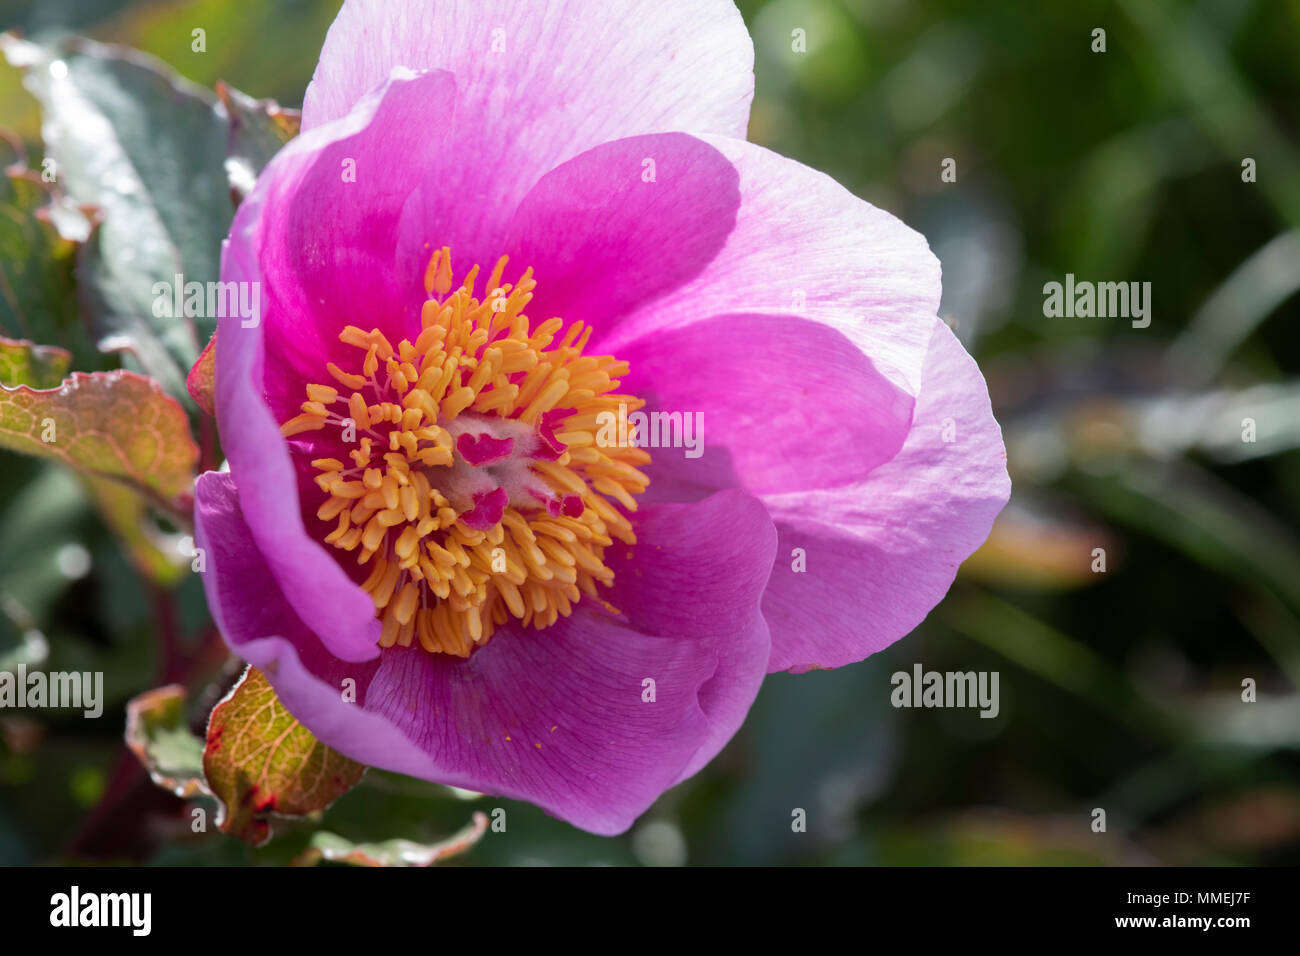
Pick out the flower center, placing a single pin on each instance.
(476, 489)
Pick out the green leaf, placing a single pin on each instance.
(25, 363)
(1238, 306)
(38, 518)
(154, 553)
(259, 760)
(1216, 93)
(37, 292)
(1056, 658)
(157, 734)
(335, 849)
(146, 147)
(258, 128)
(1206, 519)
(115, 425)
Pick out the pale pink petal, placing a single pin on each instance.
(804, 245)
(543, 80)
(771, 403)
(880, 553)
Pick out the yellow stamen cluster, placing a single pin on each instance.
(432, 578)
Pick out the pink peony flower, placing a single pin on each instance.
(426, 500)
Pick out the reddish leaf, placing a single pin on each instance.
(259, 760)
(201, 383)
(114, 425)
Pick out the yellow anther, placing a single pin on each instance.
(435, 581)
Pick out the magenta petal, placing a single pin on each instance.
(317, 266)
(556, 717)
(260, 626)
(559, 717)
(692, 576)
(623, 224)
(543, 80)
(880, 553)
(785, 404)
(319, 590)
(243, 593)
(324, 222)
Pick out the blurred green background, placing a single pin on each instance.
(1119, 690)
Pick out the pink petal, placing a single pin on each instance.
(804, 245)
(245, 593)
(573, 74)
(323, 223)
(880, 553)
(813, 400)
(690, 621)
(690, 576)
(319, 590)
(321, 249)
(781, 403)
(259, 624)
(604, 238)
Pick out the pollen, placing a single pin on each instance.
(462, 470)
